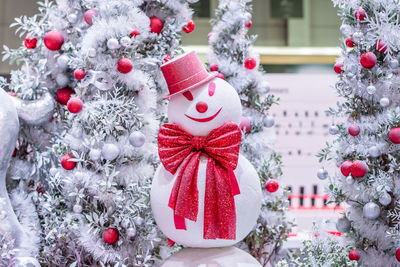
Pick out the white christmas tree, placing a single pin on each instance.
(233, 56)
(365, 148)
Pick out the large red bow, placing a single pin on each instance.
(177, 149)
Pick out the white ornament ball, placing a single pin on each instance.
(394, 64)
(345, 29)
(62, 80)
(110, 151)
(384, 102)
(62, 62)
(95, 154)
(77, 209)
(333, 130)
(131, 232)
(343, 225)
(137, 139)
(385, 199)
(138, 220)
(126, 41)
(322, 174)
(371, 211)
(374, 152)
(112, 44)
(350, 180)
(72, 18)
(92, 52)
(371, 89)
(268, 121)
(357, 36)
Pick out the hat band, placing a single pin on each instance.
(192, 80)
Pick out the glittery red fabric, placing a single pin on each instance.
(177, 148)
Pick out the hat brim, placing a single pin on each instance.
(209, 78)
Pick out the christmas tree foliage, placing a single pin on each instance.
(365, 148)
(233, 56)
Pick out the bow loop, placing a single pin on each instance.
(198, 143)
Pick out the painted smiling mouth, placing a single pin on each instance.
(205, 119)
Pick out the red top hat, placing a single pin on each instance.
(185, 73)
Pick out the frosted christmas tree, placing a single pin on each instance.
(366, 144)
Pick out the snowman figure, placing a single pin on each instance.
(205, 194)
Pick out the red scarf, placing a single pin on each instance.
(177, 148)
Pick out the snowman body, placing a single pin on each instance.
(198, 112)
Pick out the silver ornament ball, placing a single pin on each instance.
(385, 199)
(350, 180)
(62, 80)
(137, 139)
(371, 89)
(371, 211)
(394, 64)
(357, 36)
(131, 232)
(92, 52)
(77, 209)
(62, 62)
(112, 44)
(110, 151)
(343, 225)
(72, 18)
(94, 154)
(333, 130)
(322, 174)
(374, 152)
(384, 102)
(126, 41)
(268, 121)
(138, 221)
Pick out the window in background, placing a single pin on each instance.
(202, 9)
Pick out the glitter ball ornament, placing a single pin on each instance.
(249, 24)
(371, 211)
(221, 76)
(79, 74)
(394, 135)
(110, 151)
(272, 185)
(349, 42)
(135, 33)
(245, 125)
(189, 27)
(354, 255)
(88, 16)
(357, 36)
(94, 154)
(92, 52)
(156, 25)
(124, 65)
(360, 14)
(345, 167)
(322, 174)
(374, 152)
(126, 41)
(67, 164)
(137, 139)
(398, 254)
(72, 18)
(62, 80)
(333, 130)
(350, 180)
(64, 95)
(30, 42)
(53, 40)
(131, 232)
(77, 209)
(138, 221)
(343, 225)
(62, 62)
(338, 68)
(394, 64)
(385, 199)
(368, 60)
(358, 169)
(354, 130)
(268, 121)
(214, 67)
(250, 63)
(371, 89)
(381, 47)
(112, 44)
(384, 102)
(111, 236)
(74, 105)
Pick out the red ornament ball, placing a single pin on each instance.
(209, 35)
(167, 58)
(394, 135)
(221, 76)
(368, 60)
(354, 130)
(189, 27)
(89, 16)
(345, 168)
(360, 14)
(30, 42)
(135, 33)
(358, 169)
(53, 40)
(398, 254)
(14, 154)
(111, 236)
(74, 105)
(64, 95)
(156, 25)
(214, 67)
(67, 164)
(381, 47)
(250, 63)
(245, 125)
(338, 68)
(79, 74)
(248, 24)
(272, 185)
(349, 42)
(354, 255)
(124, 65)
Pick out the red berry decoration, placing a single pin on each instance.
(79, 74)
(167, 58)
(221, 76)
(248, 24)
(358, 169)
(349, 42)
(189, 27)
(272, 185)
(398, 254)
(89, 16)
(156, 25)
(64, 95)
(53, 40)
(214, 67)
(30, 42)
(250, 63)
(135, 33)
(394, 135)
(125, 65)
(14, 154)
(345, 168)
(111, 236)
(354, 255)
(354, 130)
(338, 68)
(368, 60)
(209, 35)
(381, 47)
(74, 105)
(360, 14)
(245, 125)
(67, 164)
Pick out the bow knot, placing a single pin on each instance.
(198, 143)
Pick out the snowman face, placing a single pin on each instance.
(205, 108)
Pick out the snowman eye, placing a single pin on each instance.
(211, 89)
(188, 95)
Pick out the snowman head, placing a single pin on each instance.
(199, 102)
